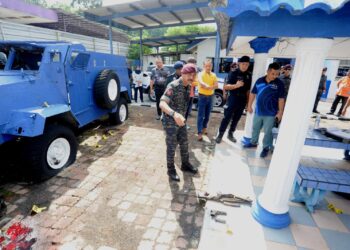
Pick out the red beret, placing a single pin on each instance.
(189, 68)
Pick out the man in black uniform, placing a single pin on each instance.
(238, 87)
(177, 74)
(174, 105)
(158, 82)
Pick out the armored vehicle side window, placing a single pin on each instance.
(79, 60)
(27, 59)
(55, 57)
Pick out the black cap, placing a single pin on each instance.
(244, 59)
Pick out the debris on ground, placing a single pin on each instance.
(15, 238)
(37, 210)
(334, 209)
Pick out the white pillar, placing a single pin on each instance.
(310, 56)
(261, 47)
(260, 62)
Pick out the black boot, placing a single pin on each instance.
(172, 174)
(187, 166)
(219, 138)
(231, 137)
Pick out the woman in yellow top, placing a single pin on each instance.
(207, 83)
(342, 94)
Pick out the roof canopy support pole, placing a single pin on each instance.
(261, 47)
(110, 36)
(141, 50)
(217, 54)
(272, 206)
(177, 52)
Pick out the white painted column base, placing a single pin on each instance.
(310, 56)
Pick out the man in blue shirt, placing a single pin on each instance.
(269, 94)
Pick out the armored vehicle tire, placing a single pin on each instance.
(49, 153)
(151, 96)
(122, 113)
(107, 89)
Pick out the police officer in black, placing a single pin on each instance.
(238, 87)
(177, 74)
(174, 105)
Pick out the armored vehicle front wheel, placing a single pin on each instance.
(122, 113)
(49, 153)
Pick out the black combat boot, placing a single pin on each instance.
(187, 166)
(231, 137)
(172, 173)
(218, 138)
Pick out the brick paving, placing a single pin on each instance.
(117, 194)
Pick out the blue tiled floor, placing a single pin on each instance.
(299, 215)
(345, 218)
(260, 171)
(336, 240)
(283, 236)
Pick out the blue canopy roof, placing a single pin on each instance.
(278, 18)
(266, 7)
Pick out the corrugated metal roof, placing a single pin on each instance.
(76, 24)
(174, 40)
(153, 13)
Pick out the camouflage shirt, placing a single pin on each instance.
(177, 96)
(159, 76)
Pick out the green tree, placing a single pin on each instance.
(86, 3)
(134, 51)
(188, 30)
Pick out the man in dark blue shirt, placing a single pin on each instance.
(269, 94)
(238, 87)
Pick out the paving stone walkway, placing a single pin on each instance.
(117, 194)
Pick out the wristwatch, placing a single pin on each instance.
(172, 113)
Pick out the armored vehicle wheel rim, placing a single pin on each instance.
(112, 89)
(218, 100)
(58, 153)
(122, 113)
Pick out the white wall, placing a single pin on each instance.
(206, 49)
(332, 70)
(20, 32)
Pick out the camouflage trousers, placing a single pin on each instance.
(176, 135)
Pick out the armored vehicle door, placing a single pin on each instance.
(80, 94)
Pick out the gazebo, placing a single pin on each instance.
(320, 27)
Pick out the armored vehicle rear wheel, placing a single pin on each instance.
(107, 89)
(121, 115)
(49, 153)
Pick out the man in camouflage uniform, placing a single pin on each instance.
(174, 105)
(158, 82)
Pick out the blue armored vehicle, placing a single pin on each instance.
(50, 89)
